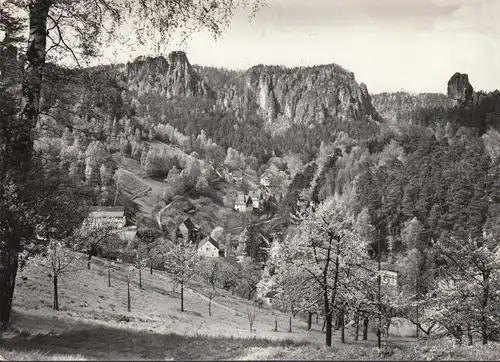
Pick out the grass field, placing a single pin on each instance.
(93, 324)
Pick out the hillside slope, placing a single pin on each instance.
(93, 320)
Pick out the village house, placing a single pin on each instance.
(256, 198)
(389, 274)
(237, 176)
(209, 248)
(114, 219)
(188, 230)
(113, 216)
(243, 203)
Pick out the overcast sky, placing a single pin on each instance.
(391, 45)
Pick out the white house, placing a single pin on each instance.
(237, 176)
(241, 203)
(256, 198)
(208, 248)
(107, 215)
(389, 277)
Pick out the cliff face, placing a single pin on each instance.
(299, 95)
(170, 77)
(292, 95)
(307, 95)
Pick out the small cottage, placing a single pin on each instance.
(209, 248)
(256, 198)
(113, 216)
(188, 230)
(240, 203)
(237, 177)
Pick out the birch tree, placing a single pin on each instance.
(79, 31)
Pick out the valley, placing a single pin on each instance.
(155, 209)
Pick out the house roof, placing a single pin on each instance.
(107, 211)
(189, 224)
(211, 241)
(241, 199)
(271, 294)
(237, 173)
(255, 194)
(389, 267)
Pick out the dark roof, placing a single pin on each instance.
(270, 294)
(189, 224)
(389, 266)
(214, 242)
(211, 240)
(107, 208)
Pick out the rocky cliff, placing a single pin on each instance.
(301, 95)
(170, 77)
(307, 95)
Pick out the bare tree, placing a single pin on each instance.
(180, 262)
(210, 271)
(251, 319)
(59, 258)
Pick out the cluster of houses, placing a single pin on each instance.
(116, 218)
(207, 246)
(248, 202)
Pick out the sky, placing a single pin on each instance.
(390, 45)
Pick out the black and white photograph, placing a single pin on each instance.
(249, 180)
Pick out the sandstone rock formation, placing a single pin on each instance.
(171, 77)
(460, 90)
(290, 95)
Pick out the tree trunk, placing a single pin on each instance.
(210, 306)
(182, 297)
(309, 320)
(128, 295)
(276, 323)
(290, 324)
(109, 277)
(469, 336)
(484, 305)
(317, 318)
(329, 323)
(417, 325)
(379, 335)
(151, 267)
(89, 258)
(9, 250)
(232, 292)
(458, 335)
(20, 149)
(140, 278)
(56, 293)
(342, 327)
(356, 324)
(365, 328)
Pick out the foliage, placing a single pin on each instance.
(327, 257)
